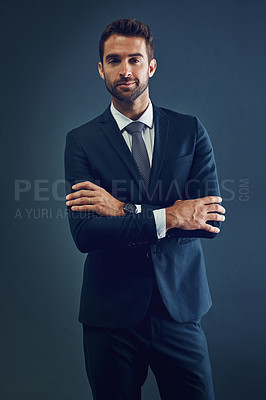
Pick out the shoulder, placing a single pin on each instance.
(87, 128)
(175, 116)
(177, 120)
(186, 125)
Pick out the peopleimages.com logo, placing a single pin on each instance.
(42, 191)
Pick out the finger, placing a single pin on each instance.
(86, 207)
(215, 207)
(215, 217)
(210, 228)
(211, 199)
(81, 201)
(86, 184)
(80, 193)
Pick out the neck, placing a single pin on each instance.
(134, 109)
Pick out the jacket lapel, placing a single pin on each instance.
(111, 130)
(161, 125)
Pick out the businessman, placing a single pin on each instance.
(142, 190)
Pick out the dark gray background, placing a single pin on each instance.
(211, 63)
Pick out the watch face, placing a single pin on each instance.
(130, 208)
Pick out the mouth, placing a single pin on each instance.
(126, 84)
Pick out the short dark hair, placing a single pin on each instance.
(127, 27)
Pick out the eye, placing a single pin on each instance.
(134, 60)
(113, 61)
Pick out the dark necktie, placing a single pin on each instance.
(139, 150)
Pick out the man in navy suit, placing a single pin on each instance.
(142, 190)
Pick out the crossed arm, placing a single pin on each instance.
(183, 214)
(104, 225)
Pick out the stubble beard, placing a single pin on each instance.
(126, 94)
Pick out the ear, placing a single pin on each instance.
(100, 69)
(152, 67)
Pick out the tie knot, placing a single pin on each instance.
(135, 127)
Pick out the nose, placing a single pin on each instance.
(125, 71)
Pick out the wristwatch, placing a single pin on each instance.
(130, 208)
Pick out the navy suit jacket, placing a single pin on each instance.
(118, 272)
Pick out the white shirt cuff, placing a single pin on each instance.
(138, 208)
(160, 222)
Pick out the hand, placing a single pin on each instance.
(193, 214)
(94, 198)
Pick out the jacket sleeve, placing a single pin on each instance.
(202, 182)
(94, 232)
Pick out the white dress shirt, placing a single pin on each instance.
(148, 137)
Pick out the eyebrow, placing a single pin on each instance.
(118, 56)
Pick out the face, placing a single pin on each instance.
(126, 69)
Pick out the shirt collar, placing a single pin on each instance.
(122, 121)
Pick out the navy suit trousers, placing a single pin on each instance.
(117, 360)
